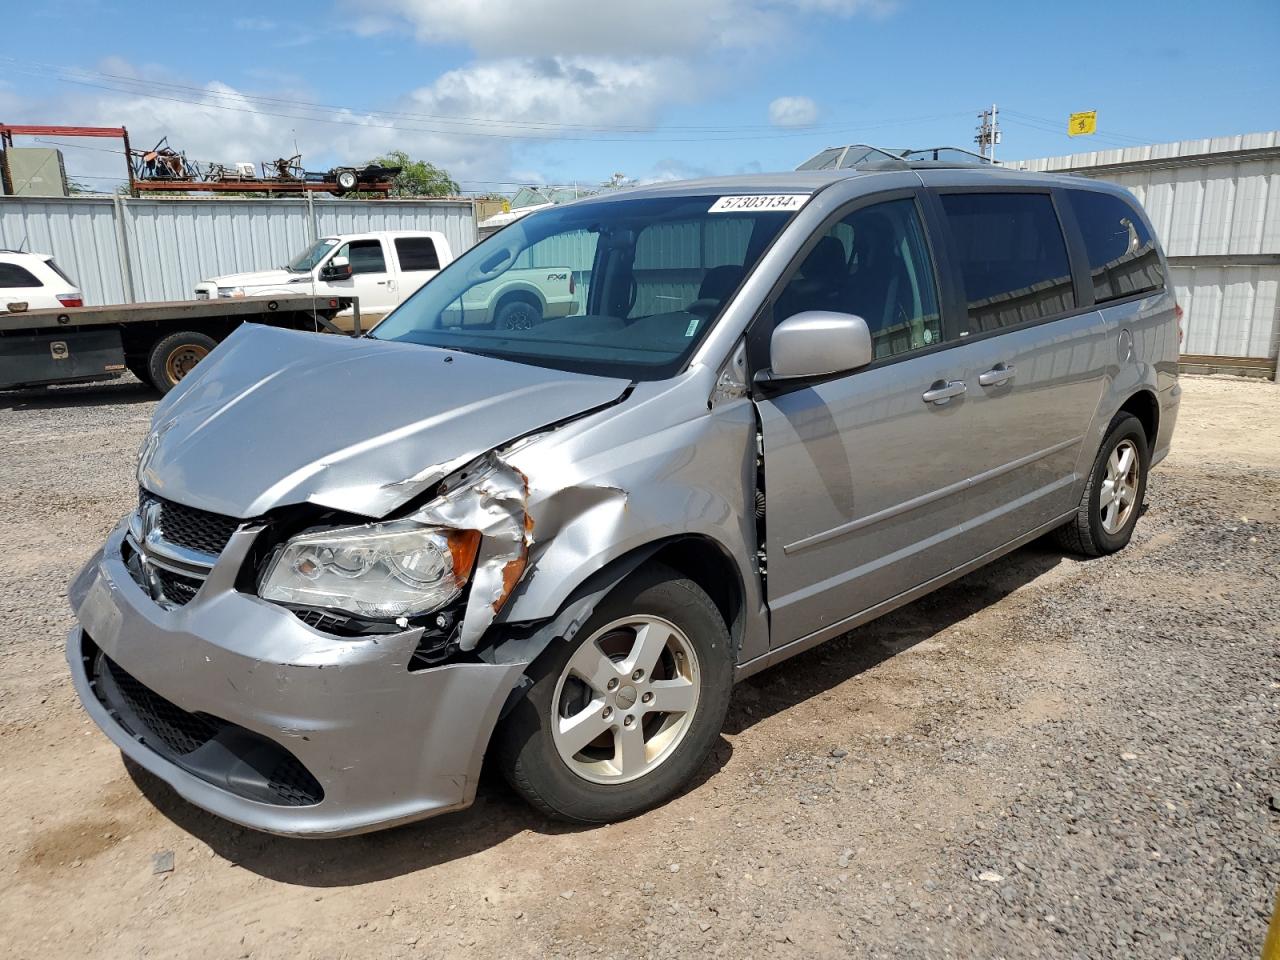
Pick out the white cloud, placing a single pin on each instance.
(793, 112)
(599, 27)
(555, 95)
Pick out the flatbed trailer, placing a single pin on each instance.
(158, 342)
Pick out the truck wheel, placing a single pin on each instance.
(518, 314)
(174, 356)
(621, 717)
(346, 180)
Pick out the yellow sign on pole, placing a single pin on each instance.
(1082, 124)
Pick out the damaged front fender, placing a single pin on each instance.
(493, 498)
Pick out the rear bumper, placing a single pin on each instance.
(385, 745)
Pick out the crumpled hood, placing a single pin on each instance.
(275, 417)
(259, 278)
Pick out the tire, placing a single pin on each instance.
(517, 314)
(1102, 525)
(173, 356)
(347, 180)
(694, 668)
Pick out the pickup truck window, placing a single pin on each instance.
(365, 256)
(417, 253)
(306, 261)
(646, 278)
(12, 275)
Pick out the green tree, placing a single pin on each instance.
(418, 178)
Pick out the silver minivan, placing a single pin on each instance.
(781, 406)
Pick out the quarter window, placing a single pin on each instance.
(417, 253)
(1123, 258)
(874, 263)
(12, 275)
(1012, 257)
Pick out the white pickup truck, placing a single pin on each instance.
(383, 269)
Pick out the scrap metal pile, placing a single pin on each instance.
(164, 168)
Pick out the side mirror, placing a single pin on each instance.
(818, 343)
(339, 268)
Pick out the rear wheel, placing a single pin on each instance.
(518, 314)
(1112, 499)
(175, 356)
(620, 718)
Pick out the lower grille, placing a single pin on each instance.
(177, 589)
(237, 760)
(180, 731)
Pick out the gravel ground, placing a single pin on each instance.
(1049, 758)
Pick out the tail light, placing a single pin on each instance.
(70, 299)
(1177, 315)
(573, 287)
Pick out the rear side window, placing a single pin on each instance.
(59, 271)
(417, 253)
(1123, 258)
(12, 275)
(1012, 257)
(365, 256)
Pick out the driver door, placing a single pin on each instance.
(864, 478)
(370, 279)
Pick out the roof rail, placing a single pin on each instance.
(863, 156)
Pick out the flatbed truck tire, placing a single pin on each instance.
(172, 357)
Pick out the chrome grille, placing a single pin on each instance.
(189, 527)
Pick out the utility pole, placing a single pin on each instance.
(988, 132)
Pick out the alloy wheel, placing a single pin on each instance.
(1118, 497)
(625, 700)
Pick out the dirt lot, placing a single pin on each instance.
(1048, 758)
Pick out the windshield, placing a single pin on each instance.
(305, 261)
(623, 288)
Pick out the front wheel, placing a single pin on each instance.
(620, 718)
(1112, 499)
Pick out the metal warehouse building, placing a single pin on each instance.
(121, 250)
(1216, 205)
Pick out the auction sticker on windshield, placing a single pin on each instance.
(760, 201)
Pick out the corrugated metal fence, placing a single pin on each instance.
(121, 250)
(1216, 205)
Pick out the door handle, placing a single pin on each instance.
(1000, 373)
(942, 391)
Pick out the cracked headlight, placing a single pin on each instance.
(396, 569)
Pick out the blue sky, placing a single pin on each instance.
(501, 92)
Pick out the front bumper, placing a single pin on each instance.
(386, 746)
